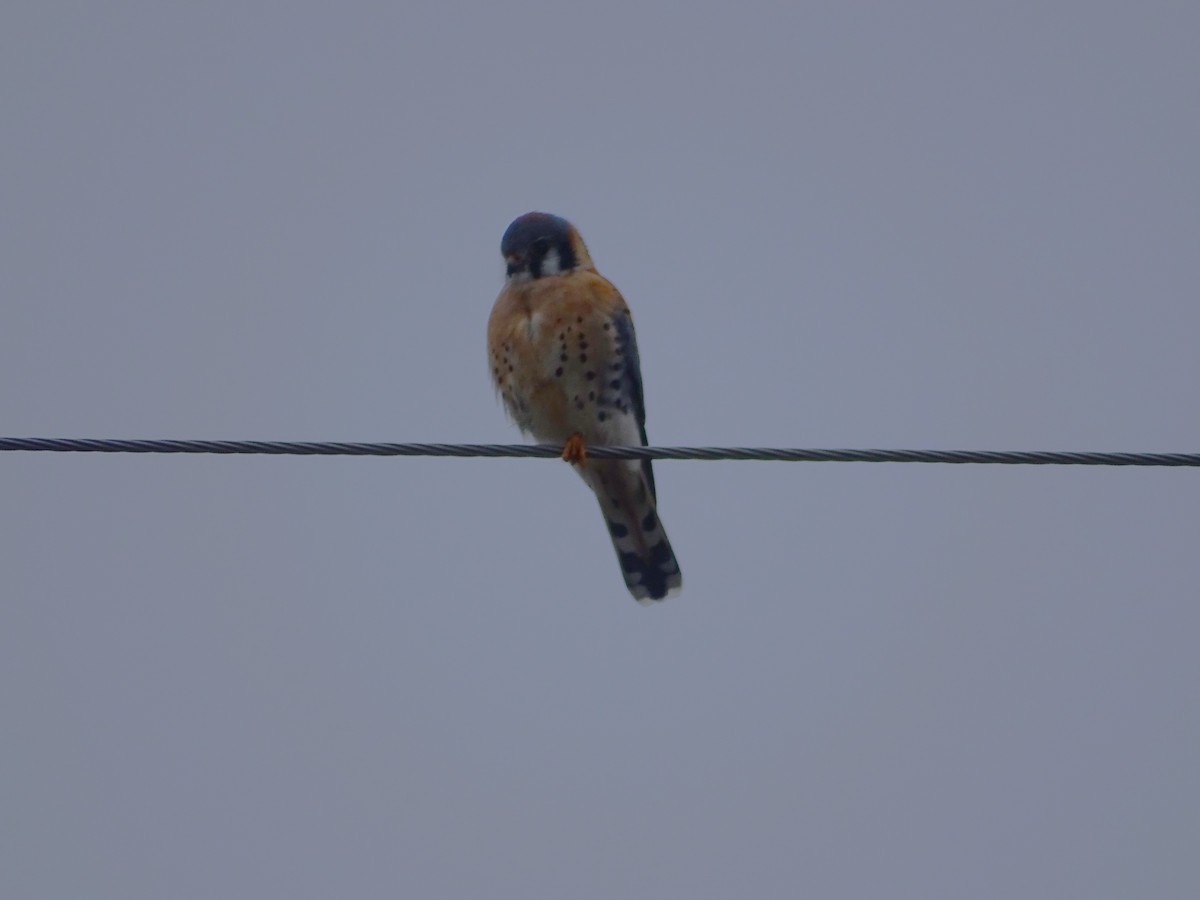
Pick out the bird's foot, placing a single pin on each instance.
(574, 450)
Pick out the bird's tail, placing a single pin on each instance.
(625, 490)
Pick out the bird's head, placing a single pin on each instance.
(540, 245)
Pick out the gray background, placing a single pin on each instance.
(896, 225)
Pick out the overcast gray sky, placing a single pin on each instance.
(934, 225)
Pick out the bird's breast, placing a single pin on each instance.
(552, 349)
(521, 347)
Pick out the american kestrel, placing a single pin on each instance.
(564, 358)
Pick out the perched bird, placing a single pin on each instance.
(565, 361)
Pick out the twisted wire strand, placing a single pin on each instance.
(337, 448)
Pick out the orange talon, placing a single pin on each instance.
(574, 450)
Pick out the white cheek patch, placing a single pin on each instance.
(550, 263)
